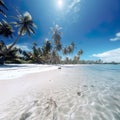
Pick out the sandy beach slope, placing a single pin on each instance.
(70, 93)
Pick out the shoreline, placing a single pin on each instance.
(14, 71)
(69, 93)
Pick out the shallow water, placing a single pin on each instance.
(99, 97)
(85, 92)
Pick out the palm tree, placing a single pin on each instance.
(58, 47)
(56, 36)
(4, 6)
(65, 51)
(25, 24)
(70, 49)
(80, 52)
(3, 48)
(5, 29)
(47, 46)
(35, 50)
(55, 58)
(67, 60)
(76, 59)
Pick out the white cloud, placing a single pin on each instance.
(109, 56)
(74, 3)
(117, 37)
(73, 6)
(23, 47)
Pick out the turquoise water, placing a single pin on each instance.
(99, 92)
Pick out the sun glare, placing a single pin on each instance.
(60, 3)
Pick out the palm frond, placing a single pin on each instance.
(3, 13)
(6, 29)
(25, 24)
(3, 4)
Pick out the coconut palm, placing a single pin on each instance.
(58, 47)
(47, 46)
(2, 50)
(35, 50)
(13, 54)
(3, 47)
(76, 59)
(80, 52)
(56, 36)
(6, 29)
(70, 49)
(55, 58)
(65, 51)
(25, 24)
(2, 4)
(66, 60)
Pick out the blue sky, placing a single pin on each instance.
(94, 25)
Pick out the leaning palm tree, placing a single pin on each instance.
(25, 24)
(2, 4)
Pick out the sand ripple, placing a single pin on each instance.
(91, 100)
(65, 104)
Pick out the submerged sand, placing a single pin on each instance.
(59, 94)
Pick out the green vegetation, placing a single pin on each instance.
(51, 52)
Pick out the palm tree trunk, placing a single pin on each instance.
(11, 46)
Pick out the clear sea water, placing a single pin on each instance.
(99, 93)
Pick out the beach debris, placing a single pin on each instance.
(59, 68)
(84, 85)
(79, 93)
(24, 116)
(92, 85)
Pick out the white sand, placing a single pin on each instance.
(35, 95)
(57, 94)
(16, 70)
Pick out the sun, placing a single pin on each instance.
(60, 3)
